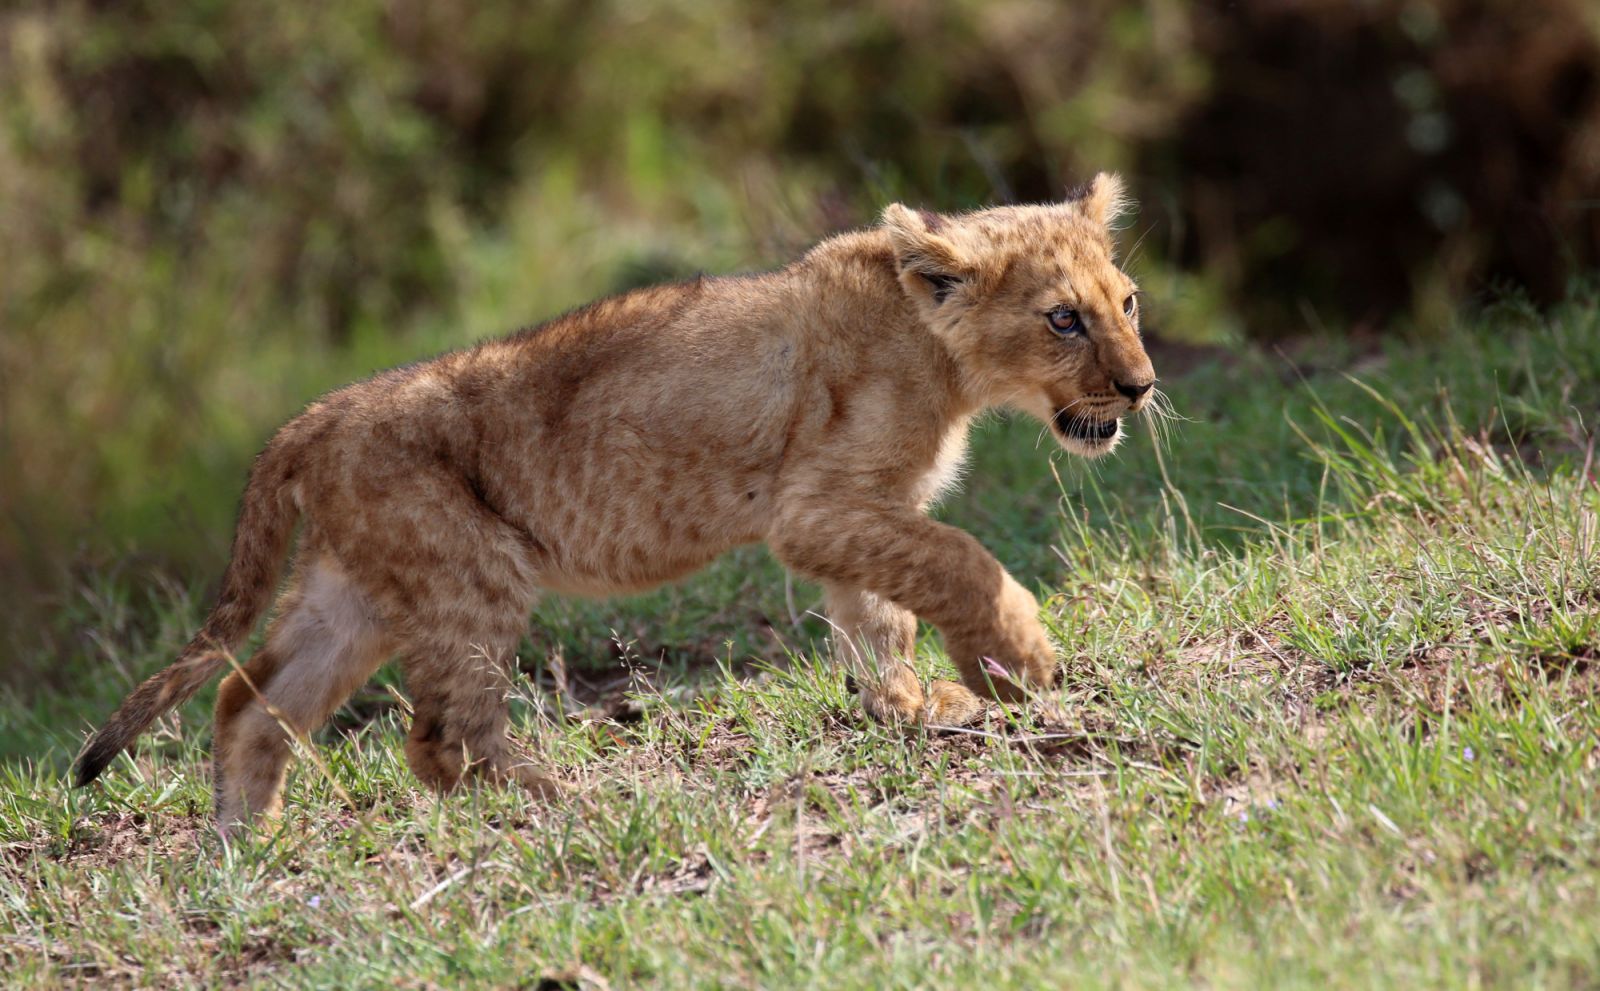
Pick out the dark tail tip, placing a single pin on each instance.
(92, 761)
(158, 693)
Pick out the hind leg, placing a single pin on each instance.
(324, 644)
(454, 581)
(459, 689)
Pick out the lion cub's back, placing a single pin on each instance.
(642, 439)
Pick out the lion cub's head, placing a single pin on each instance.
(1033, 307)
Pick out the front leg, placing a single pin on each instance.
(937, 572)
(874, 640)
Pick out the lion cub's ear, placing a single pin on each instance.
(1102, 199)
(931, 267)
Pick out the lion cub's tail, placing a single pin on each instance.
(267, 516)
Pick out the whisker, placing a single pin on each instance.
(1163, 417)
(1161, 405)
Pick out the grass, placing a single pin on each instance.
(1329, 721)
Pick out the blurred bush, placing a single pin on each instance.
(214, 210)
(1365, 158)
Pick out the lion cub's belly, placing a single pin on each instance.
(636, 534)
(628, 561)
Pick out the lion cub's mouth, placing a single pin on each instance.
(1086, 429)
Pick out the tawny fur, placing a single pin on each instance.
(819, 408)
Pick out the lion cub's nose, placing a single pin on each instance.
(1134, 391)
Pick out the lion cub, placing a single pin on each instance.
(819, 408)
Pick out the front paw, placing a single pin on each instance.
(952, 705)
(1003, 682)
(892, 696)
(1015, 656)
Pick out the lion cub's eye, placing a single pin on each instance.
(1064, 321)
(1128, 304)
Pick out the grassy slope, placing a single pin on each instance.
(1354, 745)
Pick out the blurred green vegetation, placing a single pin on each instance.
(211, 212)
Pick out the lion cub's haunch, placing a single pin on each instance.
(819, 408)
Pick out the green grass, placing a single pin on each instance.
(1329, 721)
